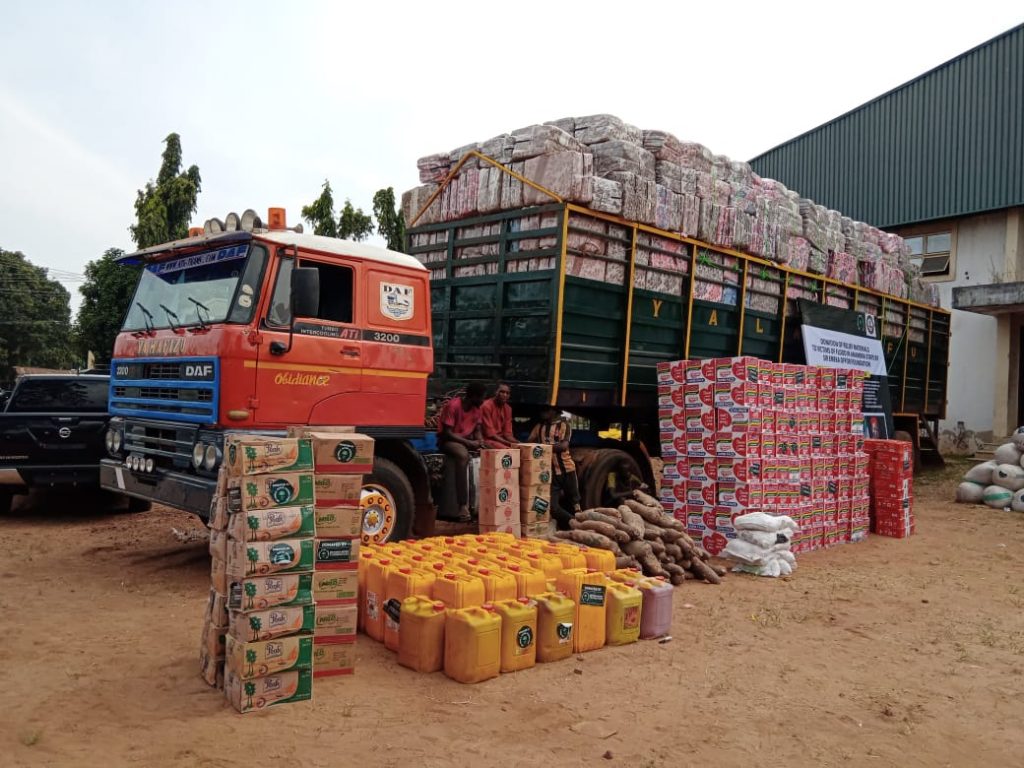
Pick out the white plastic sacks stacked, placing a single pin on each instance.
(762, 545)
(998, 483)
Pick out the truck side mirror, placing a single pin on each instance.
(305, 292)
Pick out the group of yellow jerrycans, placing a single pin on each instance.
(478, 605)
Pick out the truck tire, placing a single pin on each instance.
(906, 437)
(135, 506)
(596, 473)
(5, 501)
(387, 502)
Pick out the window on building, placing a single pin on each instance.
(932, 252)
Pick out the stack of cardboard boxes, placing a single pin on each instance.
(265, 509)
(340, 458)
(498, 491)
(744, 434)
(534, 489)
(891, 469)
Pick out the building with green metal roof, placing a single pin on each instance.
(940, 160)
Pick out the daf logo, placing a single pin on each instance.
(64, 432)
(199, 371)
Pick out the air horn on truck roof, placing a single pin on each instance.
(249, 221)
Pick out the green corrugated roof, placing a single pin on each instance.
(948, 143)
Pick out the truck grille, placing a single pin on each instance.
(169, 444)
(175, 390)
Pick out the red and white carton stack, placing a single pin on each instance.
(499, 491)
(742, 434)
(534, 490)
(891, 465)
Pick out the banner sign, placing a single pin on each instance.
(843, 338)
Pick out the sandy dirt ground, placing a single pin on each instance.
(886, 653)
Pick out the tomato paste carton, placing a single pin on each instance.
(270, 524)
(342, 453)
(699, 420)
(740, 497)
(336, 490)
(701, 492)
(671, 395)
(258, 593)
(701, 469)
(700, 445)
(673, 471)
(731, 445)
(724, 521)
(273, 622)
(699, 395)
(336, 554)
(679, 492)
(672, 373)
(713, 541)
(332, 658)
(257, 455)
(270, 491)
(740, 393)
(268, 691)
(336, 621)
(700, 372)
(730, 370)
(739, 470)
(249, 660)
(262, 558)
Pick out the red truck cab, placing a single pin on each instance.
(259, 329)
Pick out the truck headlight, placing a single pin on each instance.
(211, 458)
(198, 451)
(113, 441)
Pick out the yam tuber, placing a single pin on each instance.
(613, 533)
(632, 521)
(657, 547)
(590, 539)
(637, 548)
(673, 551)
(702, 570)
(651, 566)
(646, 499)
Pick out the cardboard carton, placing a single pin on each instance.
(270, 491)
(261, 558)
(219, 512)
(273, 622)
(510, 525)
(303, 430)
(218, 544)
(211, 669)
(494, 514)
(336, 621)
(271, 524)
(338, 522)
(490, 477)
(211, 641)
(535, 473)
(258, 593)
(249, 660)
(269, 691)
(499, 458)
(335, 587)
(217, 609)
(336, 554)
(219, 575)
(257, 455)
(333, 658)
(350, 453)
(337, 490)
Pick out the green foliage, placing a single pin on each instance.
(320, 213)
(106, 294)
(163, 209)
(390, 221)
(35, 317)
(353, 224)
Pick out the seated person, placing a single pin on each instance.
(458, 431)
(496, 417)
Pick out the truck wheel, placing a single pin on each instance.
(136, 506)
(906, 437)
(603, 471)
(387, 502)
(5, 502)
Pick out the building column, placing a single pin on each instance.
(1001, 416)
(1013, 252)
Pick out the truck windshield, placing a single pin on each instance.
(198, 289)
(60, 395)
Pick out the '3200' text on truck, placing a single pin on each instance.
(262, 327)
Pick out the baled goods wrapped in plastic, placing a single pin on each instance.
(617, 156)
(535, 140)
(742, 230)
(843, 266)
(567, 124)
(695, 156)
(460, 152)
(663, 145)
(414, 200)
(690, 215)
(512, 188)
(499, 148)
(681, 180)
(817, 261)
(638, 197)
(595, 129)
(434, 168)
(488, 198)
(566, 174)
(668, 209)
(607, 196)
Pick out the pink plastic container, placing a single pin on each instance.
(656, 614)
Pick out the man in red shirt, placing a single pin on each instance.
(496, 417)
(458, 431)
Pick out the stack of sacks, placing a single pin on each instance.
(763, 545)
(269, 564)
(534, 490)
(341, 457)
(652, 177)
(498, 491)
(998, 483)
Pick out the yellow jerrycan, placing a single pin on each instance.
(376, 593)
(529, 581)
(570, 556)
(403, 582)
(365, 558)
(587, 589)
(472, 644)
(622, 617)
(550, 564)
(421, 641)
(626, 575)
(498, 585)
(599, 559)
(459, 590)
(556, 615)
(518, 633)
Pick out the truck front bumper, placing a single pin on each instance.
(173, 489)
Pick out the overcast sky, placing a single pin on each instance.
(272, 98)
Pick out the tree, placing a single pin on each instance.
(253, 556)
(163, 209)
(320, 213)
(250, 592)
(35, 317)
(106, 295)
(250, 691)
(255, 624)
(254, 524)
(390, 221)
(250, 657)
(353, 224)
